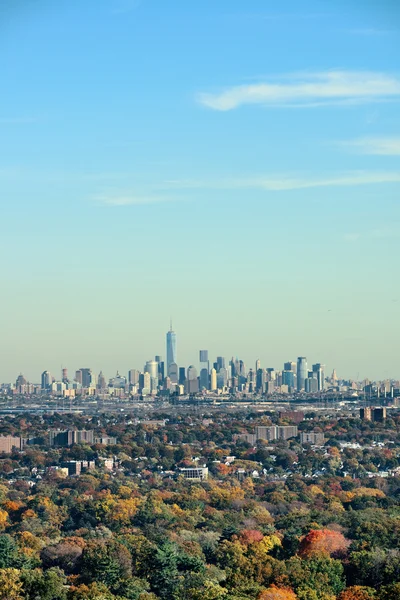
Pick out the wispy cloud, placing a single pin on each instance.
(383, 233)
(287, 182)
(177, 190)
(385, 146)
(308, 89)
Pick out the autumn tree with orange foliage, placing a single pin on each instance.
(277, 593)
(357, 592)
(322, 541)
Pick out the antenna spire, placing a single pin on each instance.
(170, 324)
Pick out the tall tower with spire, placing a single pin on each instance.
(171, 347)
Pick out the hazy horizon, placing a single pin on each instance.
(235, 165)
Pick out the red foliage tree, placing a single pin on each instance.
(322, 541)
(249, 536)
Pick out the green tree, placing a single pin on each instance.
(321, 574)
(8, 551)
(132, 588)
(106, 562)
(390, 592)
(46, 585)
(164, 576)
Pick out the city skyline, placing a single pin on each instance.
(235, 167)
(202, 367)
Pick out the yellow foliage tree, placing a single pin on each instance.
(3, 519)
(10, 585)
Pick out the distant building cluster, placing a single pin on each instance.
(160, 378)
(69, 437)
(270, 433)
(61, 439)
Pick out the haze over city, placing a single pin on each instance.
(233, 165)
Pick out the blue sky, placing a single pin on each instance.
(234, 164)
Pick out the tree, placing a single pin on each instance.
(367, 568)
(8, 551)
(307, 593)
(249, 536)
(106, 562)
(390, 592)
(141, 550)
(320, 574)
(163, 574)
(3, 519)
(132, 588)
(47, 585)
(10, 584)
(277, 593)
(357, 592)
(322, 541)
(63, 555)
(94, 591)
(209, 591)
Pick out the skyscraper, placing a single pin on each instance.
(152, 368)
(192, 381)
(261, 378)
(204, 379)
(319, 371)
(288, 378)
(302, 373)
(133, 375)
(182, 376)
(220, 362)
(160, 363)
(213, 380)
(204, 370)
(289, 366)
(171, 348)
(101, 381)
(146, 384)
(46, 380)
(203, 356)
(173, 372)
(222, 378)
(87, 378)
